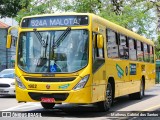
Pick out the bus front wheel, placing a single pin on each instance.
(106, 104)
(47, 105)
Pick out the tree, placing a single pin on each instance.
(134, 15)
(39, 7)
(10, 8)
(157, 47)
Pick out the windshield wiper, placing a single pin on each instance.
(62, 37)
(39, 36)
(43, 59)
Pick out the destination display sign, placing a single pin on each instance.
(51, 21)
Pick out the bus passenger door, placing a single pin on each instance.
(98, 70)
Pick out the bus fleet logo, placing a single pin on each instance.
(48, 86)
(120, 71)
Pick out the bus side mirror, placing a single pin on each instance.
(9, 36)
(9, 41)
(100, 41)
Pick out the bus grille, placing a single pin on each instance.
(4, 85)
(56, 96)
(49, 79)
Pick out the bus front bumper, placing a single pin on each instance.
(74, 96)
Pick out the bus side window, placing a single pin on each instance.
(146, 52)
(132, 49)
(151, 54)
(112, 44)
(123, 49)
(139, 51)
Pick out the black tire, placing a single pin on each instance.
(139, 95)
(47, 105)
(106, 104)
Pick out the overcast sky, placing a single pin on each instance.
(9, 21)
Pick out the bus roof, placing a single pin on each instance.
(120, 29)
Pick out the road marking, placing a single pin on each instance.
(25, 107)
(21, 106)
(152, 108)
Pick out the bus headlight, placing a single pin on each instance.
(19, 83)
(81, 83)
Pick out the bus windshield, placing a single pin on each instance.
(53, 51)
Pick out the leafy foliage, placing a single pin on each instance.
(9, 8)
(38, 7)
(136, 16)
(133, 14)
(157, 47)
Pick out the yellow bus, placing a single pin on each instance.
(80, 58)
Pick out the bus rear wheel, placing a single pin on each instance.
(139, 95)
(47, 105)
(106, 104)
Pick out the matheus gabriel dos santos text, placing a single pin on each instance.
(135, 114)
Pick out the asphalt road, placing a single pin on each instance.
(123, 108)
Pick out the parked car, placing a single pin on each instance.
(7, 82)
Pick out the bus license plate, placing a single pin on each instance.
(48, 100)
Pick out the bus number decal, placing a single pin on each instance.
(32, 86)
(38, 23)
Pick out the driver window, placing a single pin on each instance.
(98, 55)
(97, 52)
